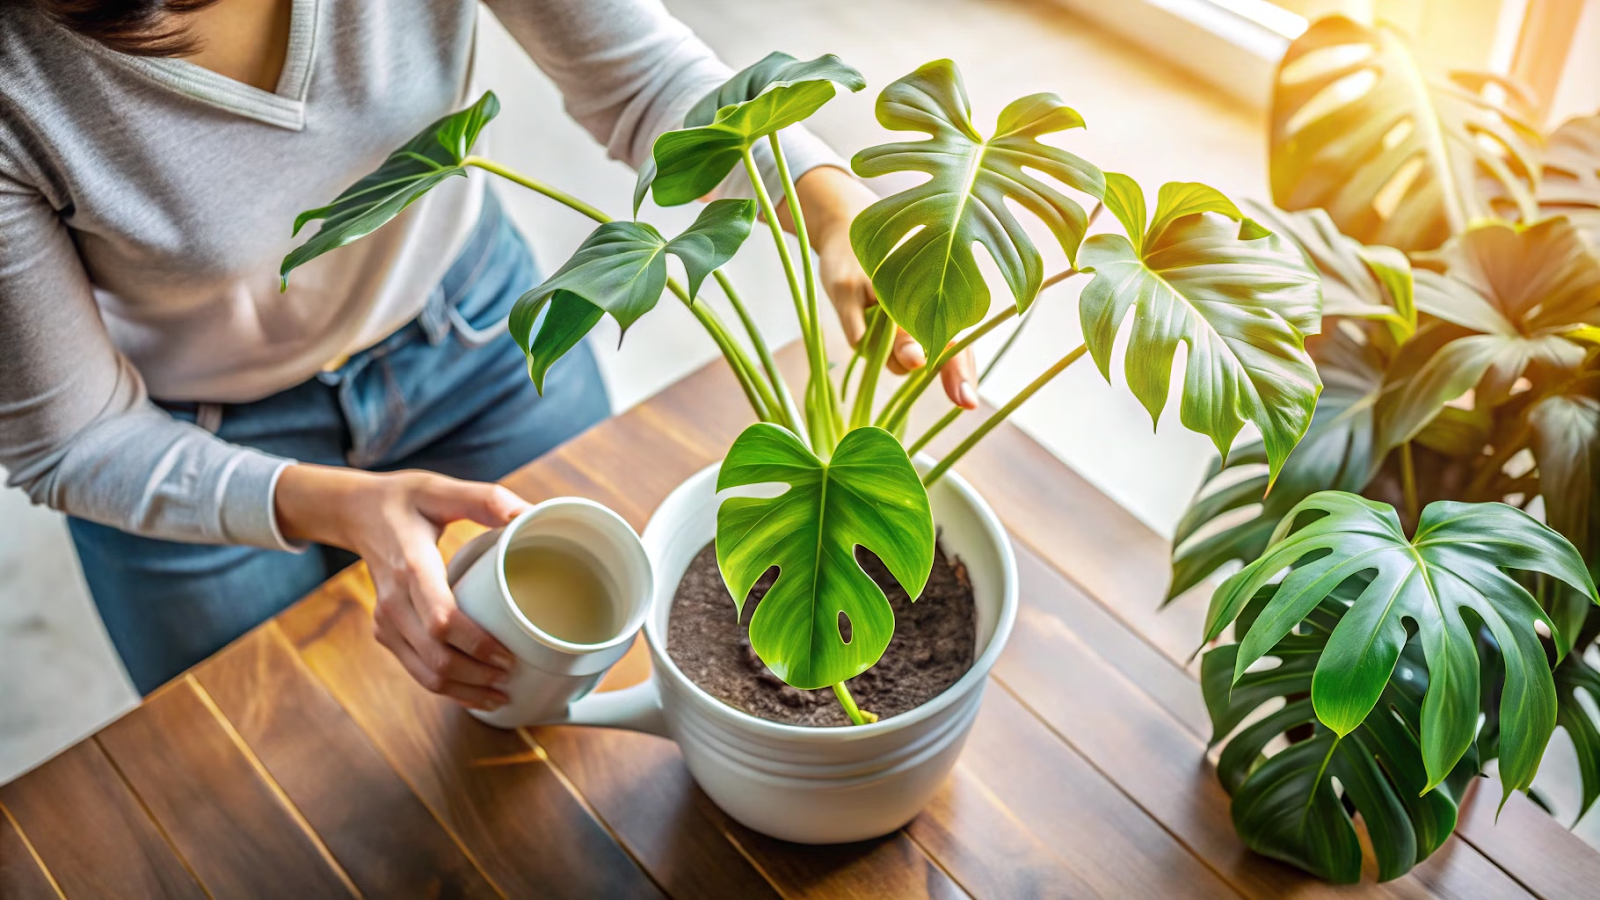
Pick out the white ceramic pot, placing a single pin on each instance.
(813, 785)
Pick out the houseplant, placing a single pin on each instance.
(1193, 269)
(1457, 247)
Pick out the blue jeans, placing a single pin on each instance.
(448, 392)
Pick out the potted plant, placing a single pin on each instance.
(827, 488)
(1457, 247)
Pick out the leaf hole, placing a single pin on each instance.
(1331, 99)
(1388, 198)
(1323, 61)
(845, 632)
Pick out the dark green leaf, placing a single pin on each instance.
(867, 495)
(1360, 130)
(426, 160)
(567, 318)
(1287, 806)
(765, 98)
(621, 269)
(917, 244)
(1240, 298)
(1445, 581)
(1573, 676)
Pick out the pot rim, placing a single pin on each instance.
(972, 680)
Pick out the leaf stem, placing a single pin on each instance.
(755, 389)
(556, 194)
(1408, 481)
(825, 387)
(821, 433)
(857, 715)
(877, 343)
(790, 414)
(1000, 415)
(896, 411)
(873, 314)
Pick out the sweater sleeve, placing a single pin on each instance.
(629, 72)
(76, 429)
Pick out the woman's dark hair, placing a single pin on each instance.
(138, 27)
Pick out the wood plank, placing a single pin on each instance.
(377, 829)
(638, 784)
(22, 875)
(91, 832)
(509, 809)
(238, 835)
(891, 866)
(1550, 862)
(1097, 832)
(1160, 763)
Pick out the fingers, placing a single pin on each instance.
(906, 355)
(852, 310)
(447, 499)
(487, 699)
(442, 621)
(960, 379)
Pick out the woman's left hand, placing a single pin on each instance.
(830, 199)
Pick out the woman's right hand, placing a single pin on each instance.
(393, 521)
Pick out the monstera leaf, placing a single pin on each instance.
(917, 244)
(763, 99)
(1241, 298)
(1337, 453)
(1395, 155)
(1287, 805)
(436, 153)
(1521, 292)
(866, 495)
(1358, 281)
(621, 269)
(1445, 581)
(1570, 183)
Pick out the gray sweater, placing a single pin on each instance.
(145, 205)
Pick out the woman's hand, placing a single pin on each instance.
(394, 521)
(830, 199)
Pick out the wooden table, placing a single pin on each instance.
(302, 762)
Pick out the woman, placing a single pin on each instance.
(221, 448)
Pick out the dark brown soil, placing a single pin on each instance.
(934, 642)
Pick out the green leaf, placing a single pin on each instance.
(762, 99)
(1445, 581)
(1565, 439)
(1287, 806)
(917, 244)
(1358, 281)
(425, 161)
(1570, 183)
(1519, 291)
(1240, 298)
(621, 269)
(1396, 155)
(1337, 453)
(567, 318)
(867, 495)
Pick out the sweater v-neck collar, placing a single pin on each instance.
(284, 107)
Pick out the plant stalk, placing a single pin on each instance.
(1000, 415)
(898, 409)
(822, 437)
(873, 314)
(877, 344)
(790, 414)
(857, 715)
(1408, 481)
(826, 393)
(560, 196)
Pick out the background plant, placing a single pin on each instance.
(1193, 270)
(1456, 245)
